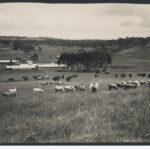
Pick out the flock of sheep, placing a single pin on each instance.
(128, 84)
(65, 87)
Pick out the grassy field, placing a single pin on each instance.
(49, 117)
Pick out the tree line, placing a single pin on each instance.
(86, 61)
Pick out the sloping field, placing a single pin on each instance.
(135, 57)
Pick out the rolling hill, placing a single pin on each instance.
(132, 57)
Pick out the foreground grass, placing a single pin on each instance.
(117, 116)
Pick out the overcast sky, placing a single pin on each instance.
(75, 21)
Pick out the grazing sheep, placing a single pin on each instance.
(112, 86)
(40, 78)
(9, 94)
(97, 85)
(38, 90)
(82, 87)
(119, 85)
(94, 88)
(12, 90)
(59, 89)
(44, 83)
(70, 88)
(123, 82)
(130, 85)
(91, 85)
(136, 83)
(143, 82)
(46, 77)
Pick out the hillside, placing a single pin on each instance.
(134, 58)
(124, 52)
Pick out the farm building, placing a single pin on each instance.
(31, 66)
(9, 61)
(51, 66)
(22, 67)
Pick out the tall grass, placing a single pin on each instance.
(117, 116)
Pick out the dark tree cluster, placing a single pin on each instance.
(24, 45)
(93, 60)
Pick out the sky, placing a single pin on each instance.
(75, 21)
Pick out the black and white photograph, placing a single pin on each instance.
(74, 73)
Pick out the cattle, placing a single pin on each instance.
(75, 75)
(68, 79)
(130, 75)
(11, 79)
(38, 90)
(112, 86)
(141, 74)
(96, 75)
(62, 76)
(116, 75)
(56, 78)
(59, 89)
(148, 82)
(35, 77)
(97, 71)
(25, 78)
(106, 72)
(123, 75)
(148, 75)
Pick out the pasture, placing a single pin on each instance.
(49, 117)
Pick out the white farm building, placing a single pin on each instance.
(30, 66)
(21, 67)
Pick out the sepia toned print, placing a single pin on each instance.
(74, 73)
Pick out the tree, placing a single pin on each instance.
(90, 60)
(34, 57)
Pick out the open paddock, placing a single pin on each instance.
(105, 116)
